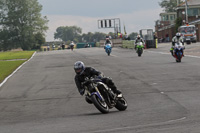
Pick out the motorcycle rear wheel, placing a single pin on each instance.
(121, 104)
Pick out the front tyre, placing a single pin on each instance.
(108, 52)
(139, 52)
(121, 104)
(179, 56)
(100, 105)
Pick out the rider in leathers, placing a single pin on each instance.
(82, 72)
(138, 39)
(176, 39)
(108, 41)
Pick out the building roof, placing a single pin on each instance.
(193, 2)
(190, 3)
(168, 13)
(195, 22)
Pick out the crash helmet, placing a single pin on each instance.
(178, 35)
(107, 40)
(79, 67)
(138, 36)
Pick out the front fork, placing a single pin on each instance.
(97, 93)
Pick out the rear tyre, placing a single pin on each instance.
(121, 104)
(100, 105)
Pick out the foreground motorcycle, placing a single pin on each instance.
(108, 49)
(139, 48)
(178, 51)
(102, 97)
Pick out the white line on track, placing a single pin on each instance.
(113, 55)
(138, 126)
(4, 81)
(193, 56)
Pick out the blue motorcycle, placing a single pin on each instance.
(108, 49)
(178, 51)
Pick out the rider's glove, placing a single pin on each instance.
(82, 91)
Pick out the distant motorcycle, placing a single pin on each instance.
(102, 97)
(108, 48)
(139, 48)
(178, 51)
(71, 47)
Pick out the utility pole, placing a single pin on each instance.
(186, 12)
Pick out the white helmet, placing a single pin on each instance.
(178, 34)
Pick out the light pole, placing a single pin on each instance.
(186, 12)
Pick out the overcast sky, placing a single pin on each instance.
(134, 14)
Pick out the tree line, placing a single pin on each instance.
(21, 24)
(74, 33)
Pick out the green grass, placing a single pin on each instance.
(16, 55)
(7, 67)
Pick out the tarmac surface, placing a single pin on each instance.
(190, 49)
(163, 95)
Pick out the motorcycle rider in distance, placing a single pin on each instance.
(108, 41)
(176, 39)
(71, 45)
(82, 72)
(137, 40)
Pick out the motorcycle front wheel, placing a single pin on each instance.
(99, 104)
(139, 52)
(178, 57)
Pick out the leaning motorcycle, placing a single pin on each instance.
(102, 96)
(178, 51)
(108, 48)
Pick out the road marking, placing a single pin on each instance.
(170, 54)
(4, 81)
(158, 52)
(139, 126)
(193, 56)
(154, 84)
(113, 55)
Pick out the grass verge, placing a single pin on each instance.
(7, 67)
(9, 62)
(16, 55)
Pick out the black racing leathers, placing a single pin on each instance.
(90, 72)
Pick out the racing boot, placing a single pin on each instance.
(171, 50)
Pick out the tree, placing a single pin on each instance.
(133, 35)
(169, 5)
(178, 23)
(66, 33)
(20, 22)
(39, 40)
(93, 37)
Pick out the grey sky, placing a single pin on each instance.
(135, 14)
